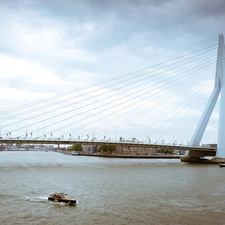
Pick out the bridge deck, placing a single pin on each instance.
(128, 144)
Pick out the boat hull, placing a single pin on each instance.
(221, 164)
(68, 201)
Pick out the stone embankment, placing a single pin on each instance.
(133, 156)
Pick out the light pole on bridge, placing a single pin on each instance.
(1, 129)
(115, 133)
(44, 130)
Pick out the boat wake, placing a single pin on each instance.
(37, 199)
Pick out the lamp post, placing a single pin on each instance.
(115, 133)
(146, 136)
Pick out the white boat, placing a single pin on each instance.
(221, 164)
(74, 153)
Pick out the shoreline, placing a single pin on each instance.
(107, 156)
(135, 156)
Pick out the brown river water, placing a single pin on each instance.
(109, 190)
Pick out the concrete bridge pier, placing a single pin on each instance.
(199, 157)
(219, 89)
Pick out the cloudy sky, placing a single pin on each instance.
(50, 47)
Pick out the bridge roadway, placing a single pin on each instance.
(207, 150)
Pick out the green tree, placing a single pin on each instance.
(107, 148)
(75, 147)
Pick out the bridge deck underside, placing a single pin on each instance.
(196, 151)
(201, 153)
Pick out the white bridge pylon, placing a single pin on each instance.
(218, 88)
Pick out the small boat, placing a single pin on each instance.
(61, 197)
(74, 153)
(221, 164)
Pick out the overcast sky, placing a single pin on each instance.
(50, 47)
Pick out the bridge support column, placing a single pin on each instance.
(218, 88)
(220, 154)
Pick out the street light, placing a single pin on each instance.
(115, 133)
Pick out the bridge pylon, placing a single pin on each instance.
(194, 156)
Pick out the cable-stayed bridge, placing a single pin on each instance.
(159, 105)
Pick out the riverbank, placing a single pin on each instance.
(134, 156)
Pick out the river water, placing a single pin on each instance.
(109, 190)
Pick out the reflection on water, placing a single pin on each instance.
(109, 190)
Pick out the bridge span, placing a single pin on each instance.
(200, 150)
